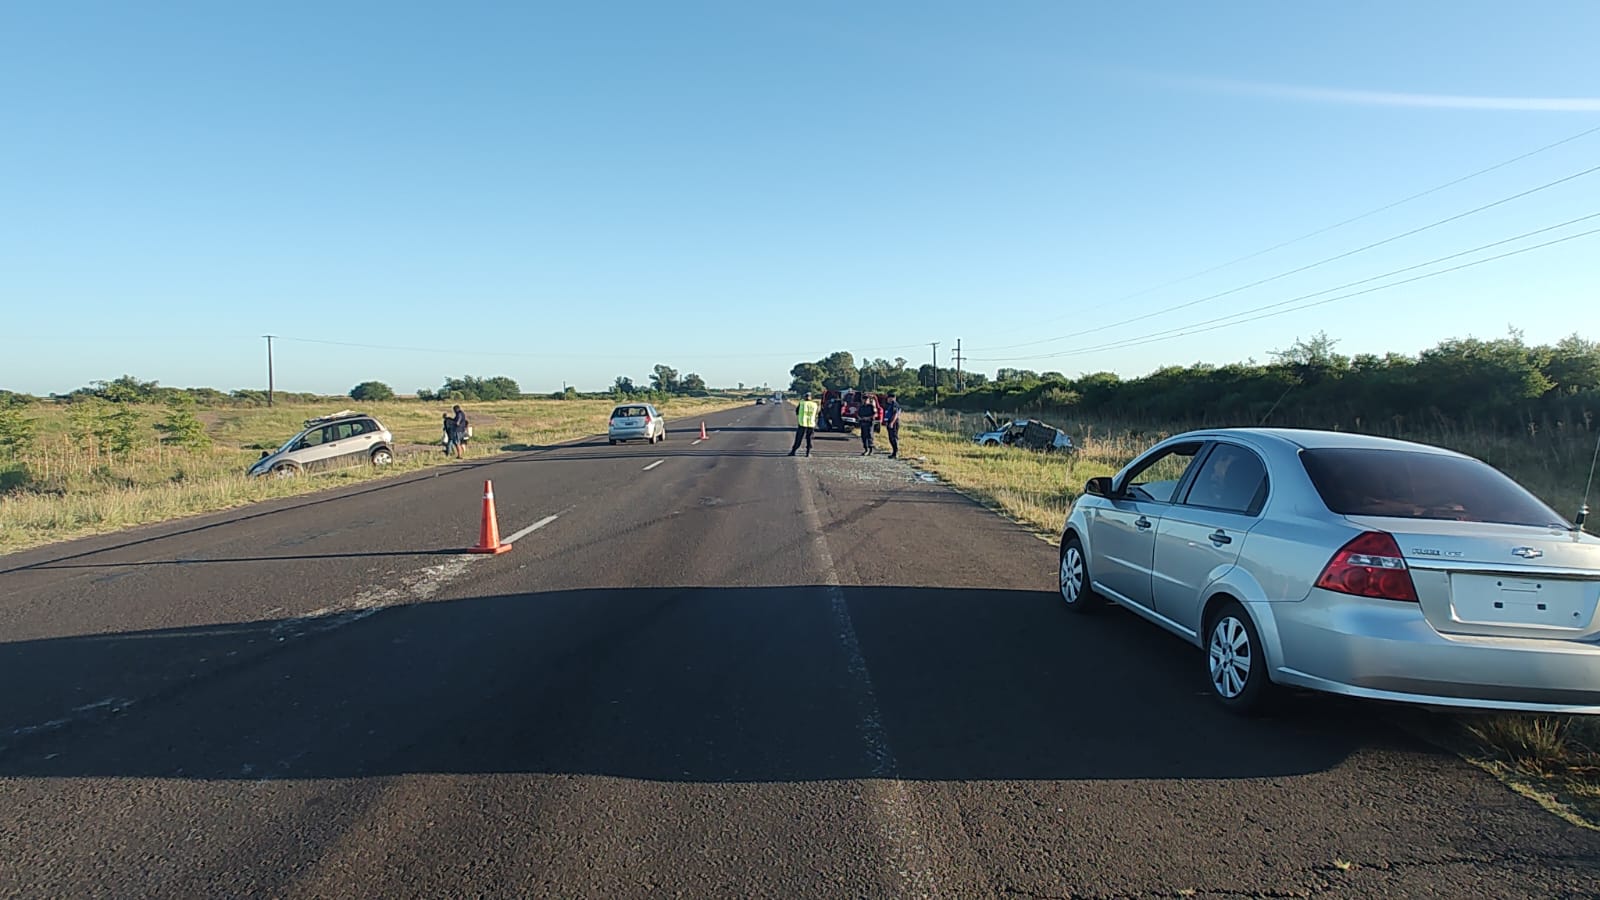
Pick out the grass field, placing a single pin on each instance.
(1554, 759)
(66, 485)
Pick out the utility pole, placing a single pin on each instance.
(935, 345)
(958, 360)
(269, 368)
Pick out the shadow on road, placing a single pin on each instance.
(666, 684)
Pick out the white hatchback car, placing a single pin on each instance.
(636, 422)
(343, 439)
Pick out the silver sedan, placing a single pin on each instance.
(1345, 563)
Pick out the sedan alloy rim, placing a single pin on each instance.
(1071, 574)
(1230, 657)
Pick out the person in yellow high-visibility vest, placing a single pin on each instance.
(806, 419)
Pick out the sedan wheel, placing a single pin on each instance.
(1075, 589)
(1235, 664)
(285, 470)
(382, 457)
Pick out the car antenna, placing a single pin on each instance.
(1583, 510)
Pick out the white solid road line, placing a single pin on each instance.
(693, 442)
(900, 821)
(530, 529)
(653, 465)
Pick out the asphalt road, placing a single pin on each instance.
(732, 674)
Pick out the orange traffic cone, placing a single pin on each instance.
(703, 434)
(489, 534)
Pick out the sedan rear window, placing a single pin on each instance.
(629, 412)
(1409, 485)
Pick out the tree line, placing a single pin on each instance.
(1501, 384)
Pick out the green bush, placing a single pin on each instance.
(371, 392)
(182, 427)
(16, 430)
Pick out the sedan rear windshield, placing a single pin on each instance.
(1410, 485)
(629, 412)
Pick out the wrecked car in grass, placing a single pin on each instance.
(1029, 433)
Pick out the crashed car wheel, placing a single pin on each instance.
(285, 470)
(991, 443)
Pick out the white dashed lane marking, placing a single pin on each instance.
(530, 529)
(653, 465)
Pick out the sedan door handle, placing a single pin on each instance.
(1142, 523)
(1220, 537)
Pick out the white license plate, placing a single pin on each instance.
(1538, 602)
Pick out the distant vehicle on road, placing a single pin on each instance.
(761, 401)
(343, 439)
(1030, 433)
(1345, 563)
(637, 422)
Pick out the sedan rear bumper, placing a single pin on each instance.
(1386, 650)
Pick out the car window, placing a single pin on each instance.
(1412, 485)
(1231, 478)
(345, 430)
(1157, 477)
(316, 436)
(628, 412)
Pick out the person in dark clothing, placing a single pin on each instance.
(891, 424)
(449, 434)
(461, 424)
(867, 418)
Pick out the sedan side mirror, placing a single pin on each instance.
(1098, 487)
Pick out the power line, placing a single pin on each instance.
(1346, 285)
(1295, 271)
(457, 351)
(1196, 328)
(1324, 230)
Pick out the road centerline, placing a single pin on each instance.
(531, 528)
(652, 465)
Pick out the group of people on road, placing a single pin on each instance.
(867, 415)
(456, 432)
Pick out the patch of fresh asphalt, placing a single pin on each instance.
(741, 675)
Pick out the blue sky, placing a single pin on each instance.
(564, 193)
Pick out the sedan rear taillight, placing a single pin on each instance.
(1370, 565)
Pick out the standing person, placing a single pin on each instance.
(449, 434)
(461, 426)
(867, 418)
(806, 423)
(891, 424)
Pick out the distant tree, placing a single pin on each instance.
(839, 371)
(426, 395)
(692, 382)
(126, 389)
(371, 392)
(664, 378)
(469, 387)
(623, 385)
(806, 377)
